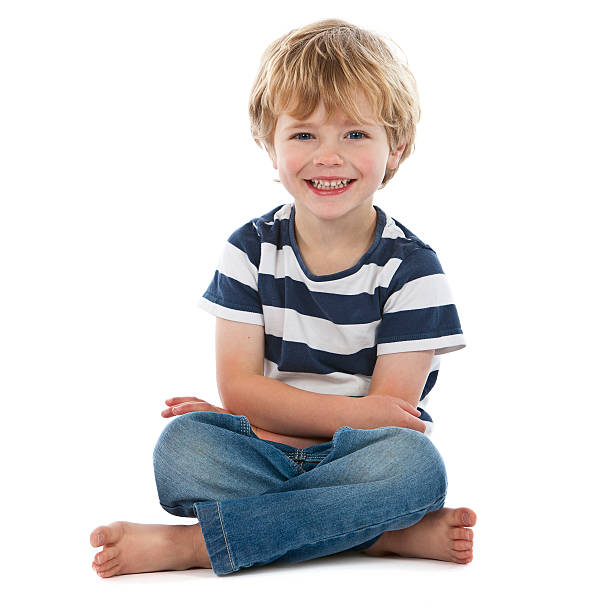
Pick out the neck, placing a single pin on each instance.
(346, 234)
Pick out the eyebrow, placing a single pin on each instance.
(295, 125)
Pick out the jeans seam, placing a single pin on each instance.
(297, 465)
(229, 554)
(245, 429)
(369, 526)
(300, 455)
(435, 503)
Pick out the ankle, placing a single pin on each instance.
(198, 546)
(380, 548)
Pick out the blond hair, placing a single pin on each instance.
(328, 61)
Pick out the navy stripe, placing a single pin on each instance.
(299, 357)
(229, 292)
(247, 240)
(425, 416)
(429, 383)
(386, 249)
(419, 324)
(339, 309)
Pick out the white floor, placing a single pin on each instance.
(342, 582)
(512, 569)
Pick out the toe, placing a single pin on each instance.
(465, 516)
(461, 545)
(96, 537)
(108, 571)
(108, 565)
(461, 533)
(107, 534)
(464, 556)
(108, 554)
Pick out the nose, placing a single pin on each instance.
(327, 155)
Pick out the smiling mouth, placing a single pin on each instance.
(336, 186)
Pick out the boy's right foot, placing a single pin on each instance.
(442, 535)
(132, 548)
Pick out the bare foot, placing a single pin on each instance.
(442, 535)
(132, 548)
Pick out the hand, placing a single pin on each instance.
(375, 411)
(183, 405)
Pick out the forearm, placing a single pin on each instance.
(277, 407)
(297, 441)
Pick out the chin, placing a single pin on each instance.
(329, 212)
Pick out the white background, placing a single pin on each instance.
(126, 162)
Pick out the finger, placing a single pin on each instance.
(169, 412)
(417, 425)
(179, 400)
(413, 410)
(408, 407)
(422, 427)
(183, 408)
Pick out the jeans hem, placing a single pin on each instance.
(217, 545)
(367, 544)
(223, 562)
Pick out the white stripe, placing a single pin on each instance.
(318, 333)
(393, 231)
(282, 213)
(423, 403)
(229, 313)
(281, 263)
(236, 264)
(336, 383)
(424, 292)
(445, 344)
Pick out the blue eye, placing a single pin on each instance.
(308, 136)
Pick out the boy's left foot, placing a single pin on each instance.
(442, 535)
(132, 548)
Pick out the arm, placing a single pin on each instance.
(277, 407)
(401, 375)
(270, 404)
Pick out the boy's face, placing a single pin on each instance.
(331, 150)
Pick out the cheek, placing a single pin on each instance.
(290, 164)
(371, 166)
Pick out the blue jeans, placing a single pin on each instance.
(260, 502)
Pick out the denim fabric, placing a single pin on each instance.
(260, 502)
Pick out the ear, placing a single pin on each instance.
(272, 153)
(394, 157)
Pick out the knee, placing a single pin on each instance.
(427, 470)
(177, 441)
(177, 461)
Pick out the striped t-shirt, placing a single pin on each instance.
(323, 333)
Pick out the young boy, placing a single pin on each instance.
(331, 317)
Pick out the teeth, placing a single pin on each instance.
(330, 184)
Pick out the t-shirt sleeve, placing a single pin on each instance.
(419, 313)
(232, 293)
